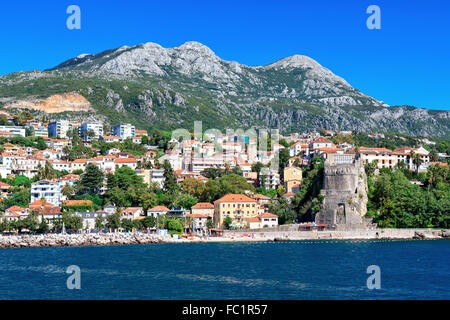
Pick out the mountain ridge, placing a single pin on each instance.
(172, 87)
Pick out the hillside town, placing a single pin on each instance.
(67, 176)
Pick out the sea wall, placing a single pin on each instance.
(62, 240)
(381, 234)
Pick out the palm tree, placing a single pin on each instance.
(46, 172)
(400, 165)
(417, 162)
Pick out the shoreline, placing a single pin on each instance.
(109, 239)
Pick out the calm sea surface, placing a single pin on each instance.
(278, 270)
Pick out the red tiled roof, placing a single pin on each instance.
(158, 208)
(235, 198)
(260, 196)
(77, 202)
(203, 205)
(267, 215)
(125, 160)
(196, 215)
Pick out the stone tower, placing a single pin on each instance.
(345, 191)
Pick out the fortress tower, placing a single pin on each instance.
(345, 191)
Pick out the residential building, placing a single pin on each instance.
(110, 138)
(59, 128)
(238, 207)
(157, 211)
(292, 177)
(11, 131)
(48, 189)
(123, 131)
(264, 220)
(89, 131)
(262, 201)
(198, 224)
(269, 178)
(132, 213)
(89, 218)
(203, 208)
(39, 131)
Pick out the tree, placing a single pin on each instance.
(40, 143)
(126, 188)
(72, 222)
(185, 200)
(371, 167)
(46, 172)
(91, 180)
(30, 222)
(433, 156)
(281, 191)
(21, 181)
(192, 187)
(170, 181)
(3, 120)
(99, 222)
(149, 222)
(19, 197)
(256, 167)
(227, 222)
(282, 208)
(43, 226)
(113, 221)
(127, 224)
(209, 224)
(137, 224)
(174, 226)
(148, 200)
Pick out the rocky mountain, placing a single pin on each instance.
(169, 88)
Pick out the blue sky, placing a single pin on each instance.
(406, 62)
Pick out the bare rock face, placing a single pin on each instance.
(345, 191)
(56, 104)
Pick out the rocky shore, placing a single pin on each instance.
(90, 239)
(95, 239)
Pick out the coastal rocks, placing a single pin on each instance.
(63, 240)
(418, 235)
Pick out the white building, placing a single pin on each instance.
(269, 178)
(13, 130)
(123, 131)
(48, 189)
(59, 128)
(86, 128)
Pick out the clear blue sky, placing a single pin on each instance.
(406, 62)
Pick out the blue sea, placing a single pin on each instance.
(270, 270)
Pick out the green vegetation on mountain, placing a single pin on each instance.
(157, 88)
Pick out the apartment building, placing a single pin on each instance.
(39, 131)
(203, 208)
(292, 179)
(59, 128)
(123, 131)
(238, 207)
(386, 158)
(12, 131)
(269, 178)
(89, 131)
(48, 189)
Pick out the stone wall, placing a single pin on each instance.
(345, 192)
(361, 234)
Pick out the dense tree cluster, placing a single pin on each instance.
(404, 199)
